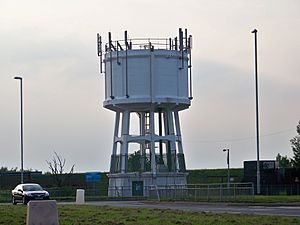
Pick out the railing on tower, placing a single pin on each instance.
(182, 43)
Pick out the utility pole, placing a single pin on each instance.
(22, 140)
(257, 112)
(228, 167)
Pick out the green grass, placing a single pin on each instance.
(277, 199)
(249, 200)
(93, 215)
(203, 176)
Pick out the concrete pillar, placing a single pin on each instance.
(152, 143)
(143, 143)
(180, 155)
(113, 161)
(124, 137)
(178, 132)
(173, 141)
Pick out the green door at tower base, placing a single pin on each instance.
(137, 188)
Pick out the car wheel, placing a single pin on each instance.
(25, 200)
(14, 201)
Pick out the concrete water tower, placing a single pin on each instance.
(147, 82)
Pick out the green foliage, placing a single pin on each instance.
(277, 198)
(5, 169)
(284, 161)
(295, 143)
(204, 176)
(134, 162)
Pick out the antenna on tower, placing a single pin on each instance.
(110, 47)
(126, 62)
(99, 45)
(181, 47)
(189, 50)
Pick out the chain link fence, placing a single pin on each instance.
(203, 192)
(190, 192)
(63, 194)
(284, 189)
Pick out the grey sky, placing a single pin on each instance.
(52, 44)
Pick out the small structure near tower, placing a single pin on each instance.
(147, 82)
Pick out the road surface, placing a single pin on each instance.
(206, 207)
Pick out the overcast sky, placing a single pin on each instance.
(52, 45)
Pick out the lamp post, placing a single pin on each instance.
(228, 167)
(257, 119)
(21, 96)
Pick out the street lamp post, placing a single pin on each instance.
(257, 119)
(21, 96)
(228, 167)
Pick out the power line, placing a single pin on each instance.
(240, 139)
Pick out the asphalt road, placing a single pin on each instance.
(271, 210)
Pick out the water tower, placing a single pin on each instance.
(147, 82)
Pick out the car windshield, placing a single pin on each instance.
(32, 187)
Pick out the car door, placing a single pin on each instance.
(18, 193)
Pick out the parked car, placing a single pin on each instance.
(25, 192)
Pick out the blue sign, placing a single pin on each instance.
(92, 177)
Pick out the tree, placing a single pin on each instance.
(283, 161)
(5, 169)
(295, 143)
(57, 167)
(134, 162)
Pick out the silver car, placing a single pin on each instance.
(25, 192)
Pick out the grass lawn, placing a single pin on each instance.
(93, 215)
(277, 198)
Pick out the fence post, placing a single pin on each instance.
(157, 192)
(221, 192)
(208, 192)
(252, 185)
(234, 189)
(175, 192)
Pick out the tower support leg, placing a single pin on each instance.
(142, 143)
(168, 146)
(152, 143)
(180, 155)
(173, 141)
(124, 139)
(114, 159)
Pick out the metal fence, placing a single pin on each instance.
(5, 196)
(204, 192)
(284, 189)
(63, 194)
(195, 192)
(121, 191)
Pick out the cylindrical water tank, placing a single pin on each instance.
(140, 77)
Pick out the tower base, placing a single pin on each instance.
(137, 184)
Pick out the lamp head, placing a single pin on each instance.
(254, 31)
(18, 78)
(225, 149)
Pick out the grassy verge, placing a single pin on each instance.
(93, 215)
(5, 197)
(277, 198)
